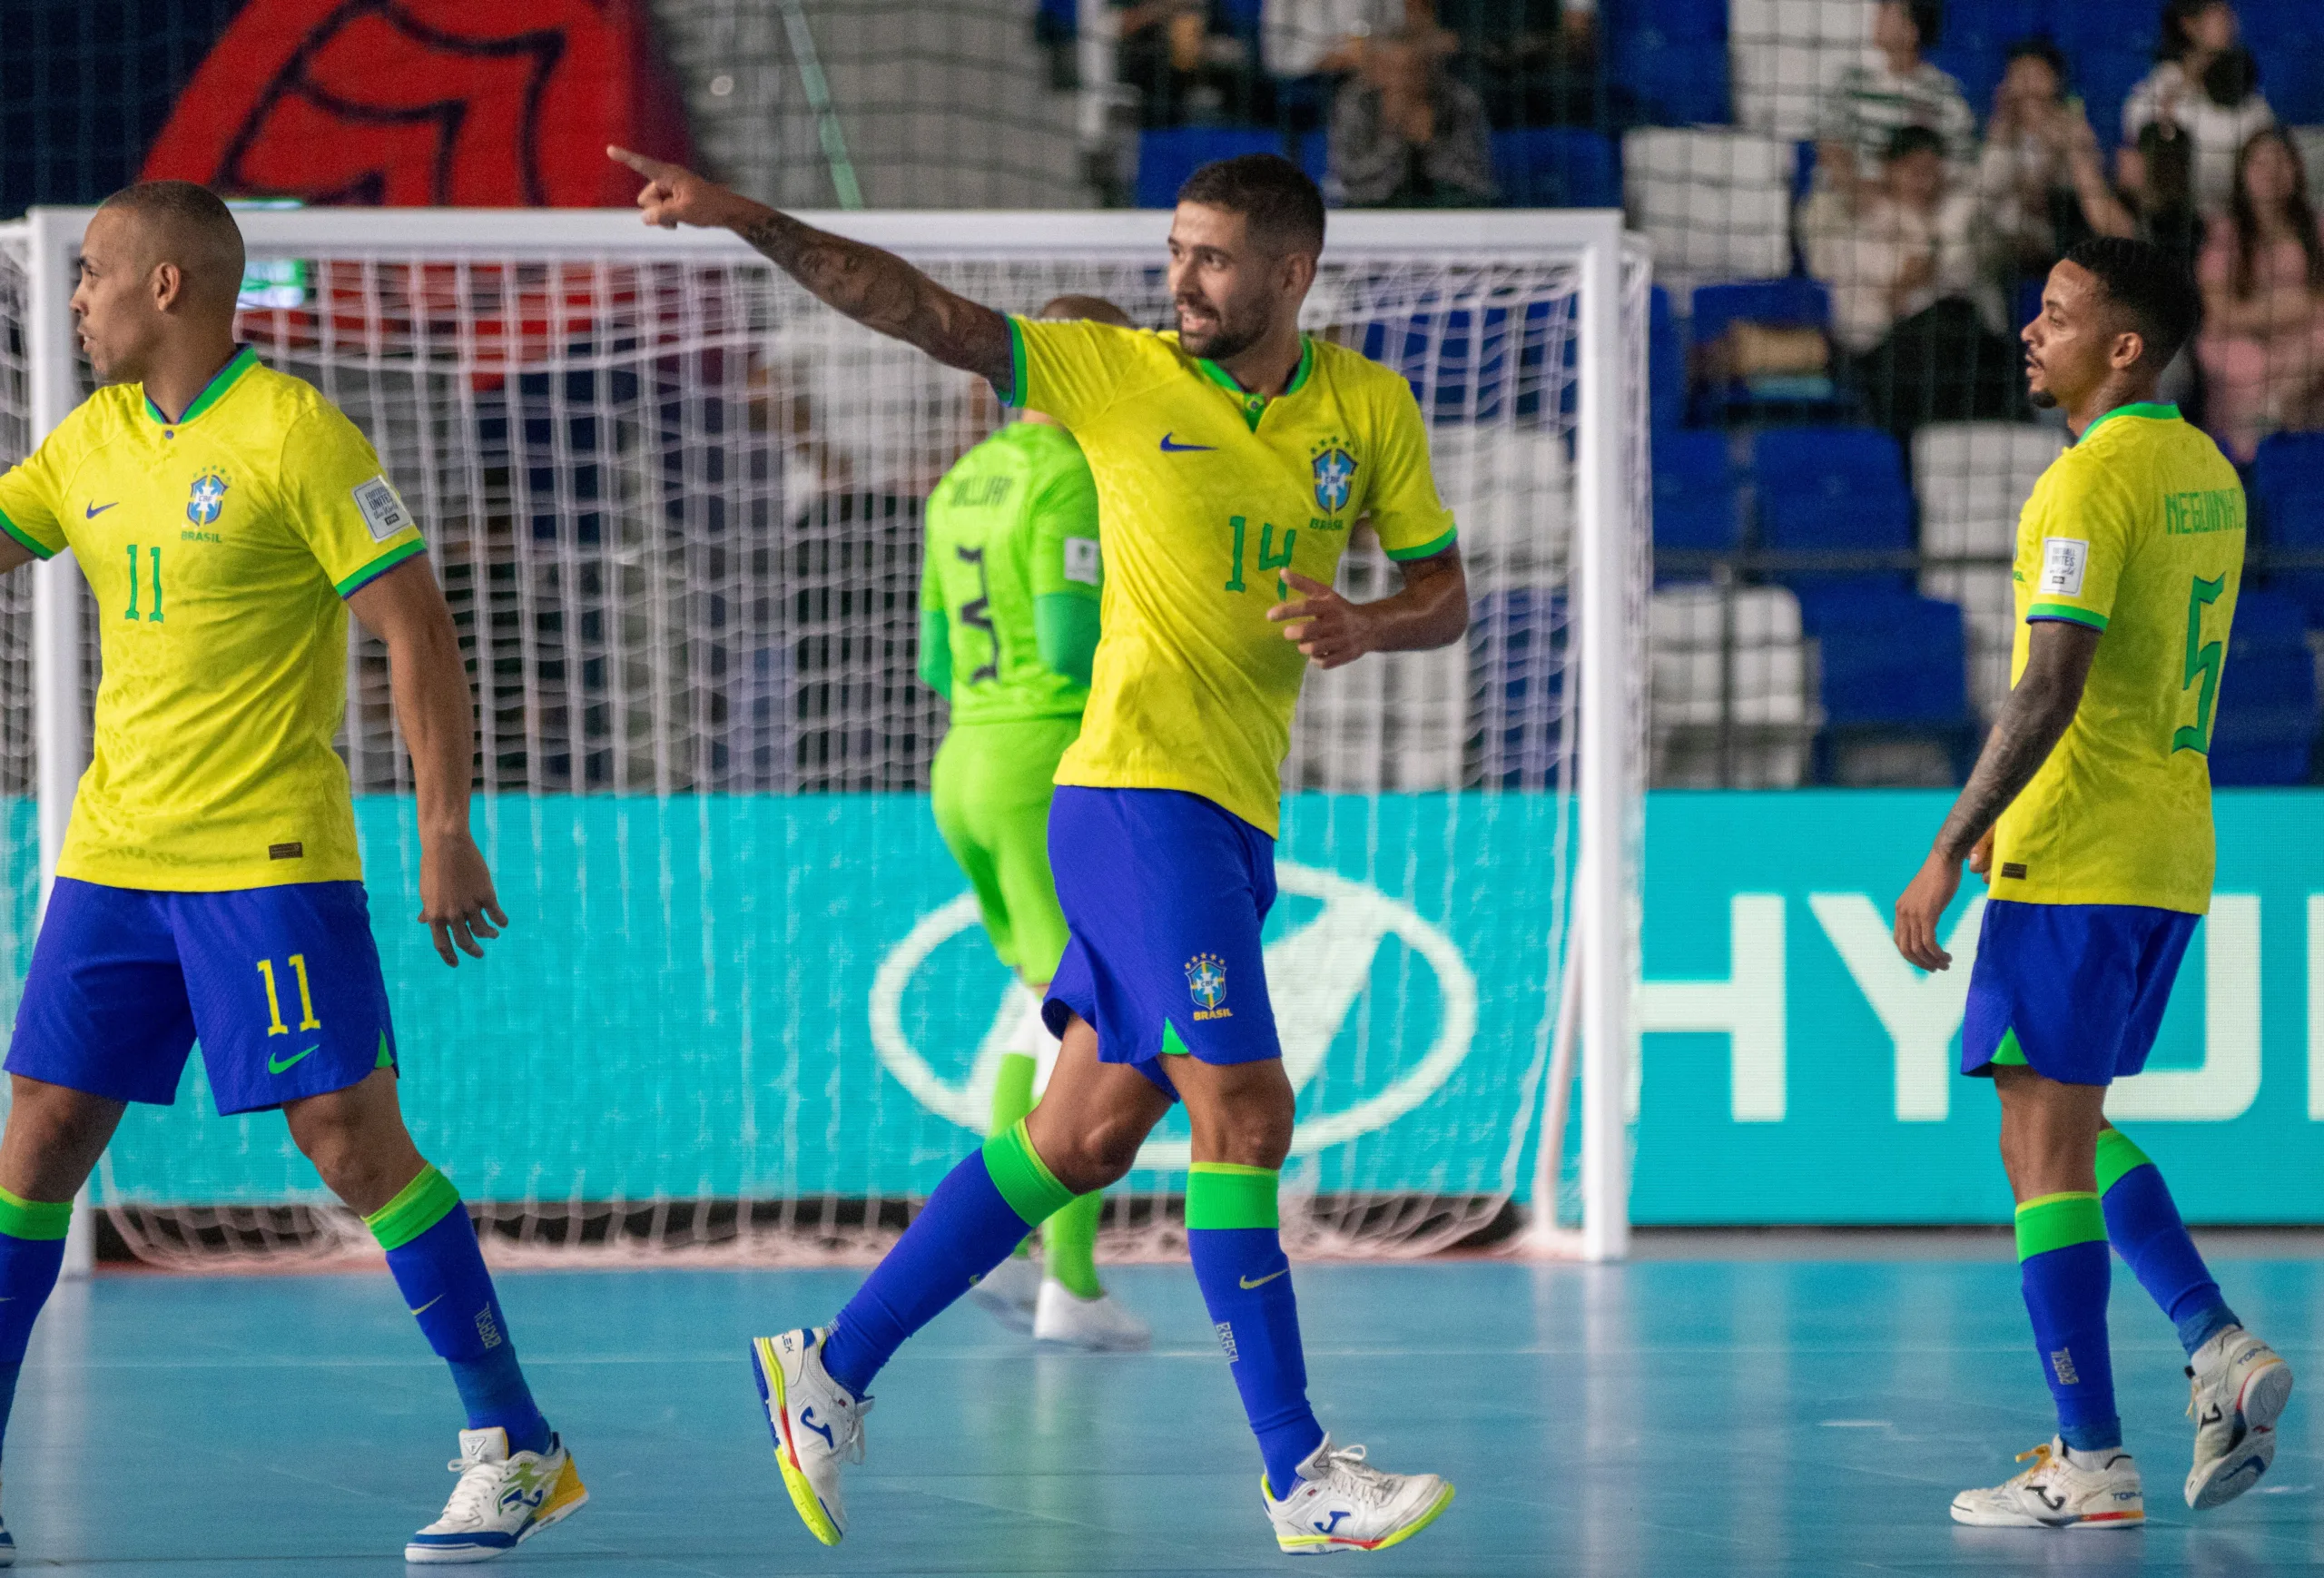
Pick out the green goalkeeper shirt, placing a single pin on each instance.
(1010, 583)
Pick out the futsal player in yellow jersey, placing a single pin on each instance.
(1233, 459)
(2090, 814)
(227, 518)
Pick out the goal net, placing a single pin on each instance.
(743, 1008)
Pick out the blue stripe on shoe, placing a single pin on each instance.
(488, 1540)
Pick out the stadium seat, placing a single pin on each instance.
(1167, 156)
(1556, 167)
(1516, 642)
(1795, 299)
(2287, 498)
(1893, 668)
(1666, 362)
(1971, 481)
(1836, 491)
(2265, 730)
(1715, 203)
(1976, 39)
(1730, 674)
(1696, 501)
(1671, 55)
(1784, 52)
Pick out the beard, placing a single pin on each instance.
(2042, 400)
(1225, 341)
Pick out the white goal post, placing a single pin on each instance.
(490, 354)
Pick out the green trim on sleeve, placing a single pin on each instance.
(47, 1220)
(1220, 1194)
(1023, 1178)
(1065, 629)
(2067, 612)
(379, 567)
(2059, 1222)
(936, 652)
(1427, 550)
(30, 546)
(1014, 399)
(2117, 1159)
(423, 1202)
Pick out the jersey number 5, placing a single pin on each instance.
(2202, 663)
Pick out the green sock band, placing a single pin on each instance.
(1023, 1178)
(2059, 1222)
(2116, 1157)
(1220, 1194)
(1012, 1098)
(1069, 1244)
(24, 1218)
(425, 1201)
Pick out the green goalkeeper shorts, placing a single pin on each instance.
(991, 784)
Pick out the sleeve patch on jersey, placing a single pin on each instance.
(1081, 560)
(2065, 560)
(383, 510)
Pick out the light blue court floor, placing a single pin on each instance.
(1705, 1418)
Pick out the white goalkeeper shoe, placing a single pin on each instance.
(2237, 1389)
(1344, 1504)
(502, 1500)
(818, 1426)
(2063, 1490)
(1010, 1292)
(1102, 1323)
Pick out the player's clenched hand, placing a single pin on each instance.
(1922, 906)
(674, 195)
(1327, 627)
(456, 898)
(1981, 858)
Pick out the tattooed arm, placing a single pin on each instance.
(877, 289)
(2031, 722)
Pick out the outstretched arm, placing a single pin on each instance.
(406, 609)
(877, 289)
(2031, 722)
(1432, 610)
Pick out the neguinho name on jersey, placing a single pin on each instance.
(2212, 509)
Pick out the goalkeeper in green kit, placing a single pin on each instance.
(1009, 596)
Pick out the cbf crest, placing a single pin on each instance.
(208, 501)
(1206, 981)
(1334, 476)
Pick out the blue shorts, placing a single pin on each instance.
(1164, 895)
(2081, 988)
(281, 985)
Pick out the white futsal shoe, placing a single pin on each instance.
(1102, 1323)
(1344, 1504)
(501, 1500)
(2100, 1491)
(2237, 1388)
(1010, 1292)
(817, 1426)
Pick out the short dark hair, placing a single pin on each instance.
(1928, 21)
(1908, 140)
(2175, 41)
(2044, 48)
(2150, 284)
(1284, 208)
(194, 229)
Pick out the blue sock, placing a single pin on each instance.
(32, 1252)
(2143, 1223)
(2063, 1268)
(1245, 1281)
(977, 1217)
(432, 1252)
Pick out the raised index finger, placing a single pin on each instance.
(1313, 588)
(652, 168)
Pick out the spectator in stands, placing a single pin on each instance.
(1920, 325)
(1535, 62)
(1869, 103)
(1310, 46)
(1407, 133)
(2163, 202)
(2040, 183)
(2262, 273)
(2205, 84)
(1186, 64)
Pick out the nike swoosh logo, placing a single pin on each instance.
(432, 1302)
(95, 511)
(1270, 1277)
(273, 1067)
(1170, 446)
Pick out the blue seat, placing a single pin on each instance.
(1666, 362)
(1832, 491)
(1889, 658)
(1689, 21)
(2104, 75)
(1517, 651)
(1676, 82)
(1165, 157)
(1976, 39)
(2288, 503)
(1695, 498)
(1556, 167)
(1797, 301)
(2264, 731)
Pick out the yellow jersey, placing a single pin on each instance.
(1206, 494)
(219, 550)
(2137, 531)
